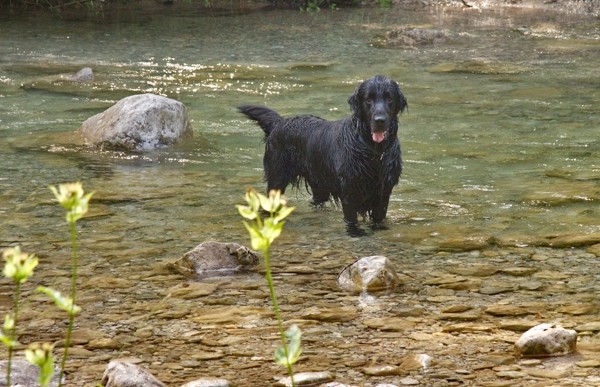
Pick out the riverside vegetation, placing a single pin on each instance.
(19, 267)
(262, 234)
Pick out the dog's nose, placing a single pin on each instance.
(379, 119)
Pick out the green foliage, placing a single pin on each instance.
(262, 234)
(41, 356)
(385, 3)
(72, 198)
(19, 267)
(64, 303)
(293, 336)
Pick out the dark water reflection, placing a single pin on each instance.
(509, 154)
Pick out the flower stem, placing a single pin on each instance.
(13, 333)
(73, 294)
(277, 315)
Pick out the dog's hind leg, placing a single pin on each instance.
(277, 173)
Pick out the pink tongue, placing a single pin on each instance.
(378, 136)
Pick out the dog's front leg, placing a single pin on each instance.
(350, 214)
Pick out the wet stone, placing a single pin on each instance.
(491, 288)
(592, 363)
(506, 310)
(307, 379)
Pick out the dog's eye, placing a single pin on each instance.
(369, 101)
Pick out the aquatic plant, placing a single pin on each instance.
(75, 201)
(262, 234)
(19, 267)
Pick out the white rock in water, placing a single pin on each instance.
(369, 274)
(139, 122)
(546, 340)
(122, 374)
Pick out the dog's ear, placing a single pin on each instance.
(355, 100)
(401, 102)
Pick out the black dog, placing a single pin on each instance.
(355, 161)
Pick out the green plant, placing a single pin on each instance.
(385, 3)
(41, 356)
(262, 234)
(75, 201)
(19, 267)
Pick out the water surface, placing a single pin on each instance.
(509, 154)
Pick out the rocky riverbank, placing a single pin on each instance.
(464, 310)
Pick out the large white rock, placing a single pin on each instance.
(546, 340)
(369, 274)
(122, 374)
(139, 122)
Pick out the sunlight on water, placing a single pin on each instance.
(500, 137)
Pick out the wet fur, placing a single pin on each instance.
(339, 160)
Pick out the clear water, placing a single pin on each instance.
(513, 155)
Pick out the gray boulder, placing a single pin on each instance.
(369, 274)
(23, 373)
(139, 122)
(546, 340)
(216, 258)
(122, 374)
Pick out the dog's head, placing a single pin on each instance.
(376, 102)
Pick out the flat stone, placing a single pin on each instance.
(506, 310)
(547, 373)
(474, 271)
(531, 285)
(518, 325)
(491, 288)
(456, 309)
(208, 383)
(409, 381)
(518, 271)
(592, 363)
(307, 379)
(579, 309)
(511, 374)
(390, 324)
(340, 314)
(593, 326)
(384, 370)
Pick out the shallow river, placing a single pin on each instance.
(501, 159)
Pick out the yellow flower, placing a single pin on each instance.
(72, 197)
(19, 266)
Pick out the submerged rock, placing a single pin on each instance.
(477, 66)
(216, 258)
(139, 122)
(369, 274)
(410, 37)
(546, 340)
(122, 374)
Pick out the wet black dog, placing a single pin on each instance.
(355, 161)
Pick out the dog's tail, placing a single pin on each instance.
(266, 118)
